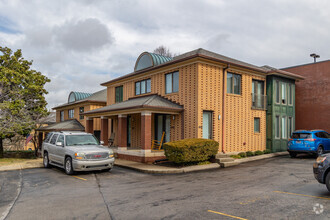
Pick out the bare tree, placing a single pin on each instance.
(164, 51)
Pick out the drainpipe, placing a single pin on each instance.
(223, 108)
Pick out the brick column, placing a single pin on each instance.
(146, 130)
(89, 128)
(104, 130)
(122, 131)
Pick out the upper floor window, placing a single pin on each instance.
(61, 115)
(258, 97)
(71, 113)
(172, 82)
(256, 125)
(290, 94)
(81, 110)
(143, 87)
(119, 94)
(277, 91)
(234, 83)
(284, 95)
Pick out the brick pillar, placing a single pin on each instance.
(89, 125)
(104, 130)
(122, 131)
(146, 130)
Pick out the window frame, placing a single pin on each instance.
(277, 92)
(234, 75)
(277, 119)
(285, 132)
(121, 94)
(290, 125)
(172, 82)
(69, 113)
(290, 94)
(81, 117)
(140, 86)
(254, 125)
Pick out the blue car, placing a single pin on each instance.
(315, 142)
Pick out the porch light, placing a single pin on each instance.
(219, 117)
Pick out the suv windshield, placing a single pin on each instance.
(72, 140)
(301, 135)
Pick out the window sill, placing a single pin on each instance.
(235, 95)
(259, 109)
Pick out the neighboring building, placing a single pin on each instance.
(78, 103)
(199, 94)
(313, 95)
(280, 108)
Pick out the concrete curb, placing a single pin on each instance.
(261, 157)
(35, 163)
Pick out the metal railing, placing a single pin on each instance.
(259, 101)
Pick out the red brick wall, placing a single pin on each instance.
(313, 96)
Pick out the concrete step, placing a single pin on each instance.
(228, 164)
(221, 155)
(227, 159)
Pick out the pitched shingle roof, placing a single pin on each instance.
(69, 125)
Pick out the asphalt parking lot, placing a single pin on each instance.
(276, 188)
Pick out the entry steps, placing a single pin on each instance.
(225, 160)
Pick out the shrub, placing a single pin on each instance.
(19, 154)
(249, 154)
(190, 150)
(258, 152)
(242, 154)
(236, 156)
(267, 151)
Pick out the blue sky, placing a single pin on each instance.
(80, 44)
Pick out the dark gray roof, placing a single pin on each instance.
(69, 125)
(100, 96)
(149, 101)
(275, 71)
(49, 119)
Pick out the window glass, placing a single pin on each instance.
(61, 115)
(148, 85)
(71, 113)
(257, 125)
(49, 135)
(137, 88)
(60, 139)
(143, 87)
(75, 140)
(53, 140)
(229, 83)
(277, 91)
(277, 126)
(119, 94)
(237, 84)
(175, 81)
(168, 78)
(234, 83)
(81, 110)
(284, 127)
(284, 93)
(290, 126)
(144, 62)
(301, 135)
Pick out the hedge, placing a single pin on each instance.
(190, 150)
(19, 154)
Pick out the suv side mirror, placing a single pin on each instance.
(101, 142)
(60, 144)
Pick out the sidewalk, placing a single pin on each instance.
(27, 164)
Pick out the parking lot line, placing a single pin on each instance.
(79, 178)
(297, 194)
(220, 213)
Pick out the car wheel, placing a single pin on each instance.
(68, 166)
(320, 151)
(46, 160)
(327, 181)
(293, 154)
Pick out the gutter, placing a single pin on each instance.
(223, 107)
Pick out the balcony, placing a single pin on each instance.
(259, 101)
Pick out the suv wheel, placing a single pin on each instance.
(68, 166)
(327, 181)
(293, 154)
(46, 160)
(320, 151)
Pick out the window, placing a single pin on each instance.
(290, 94)
(258, 97)
(143, 87)
(71, 113)
(49, 135)
(61, 115)
(81, 110)
(119, 94)
(53, 140)
(283, 93)
(277, 91)
(256, 125)
(284, 126)
(290, 126)
(61, 139)
(277, 127)
(172, 82)
(234, 83)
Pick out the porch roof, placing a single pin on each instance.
(147, 102)
(68, 125)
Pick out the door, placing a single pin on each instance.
(60, 151)
(207, 124)
(52, 148)
(129, 131)
(163, 124)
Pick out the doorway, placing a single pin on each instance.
(163, 124)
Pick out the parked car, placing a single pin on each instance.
(314, 142)
(321, 169)
(76, 151)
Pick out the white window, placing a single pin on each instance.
(284, 95)
(71, 113)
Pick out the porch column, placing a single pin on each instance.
(122, 130)
(104, 130)
(89, 125)
(146, 130)
(40, 135)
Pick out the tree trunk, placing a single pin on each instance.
(1, 148)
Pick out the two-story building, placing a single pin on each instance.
(199, 94)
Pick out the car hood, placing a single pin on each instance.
(89, 148)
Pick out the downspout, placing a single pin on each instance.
(223, 108)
